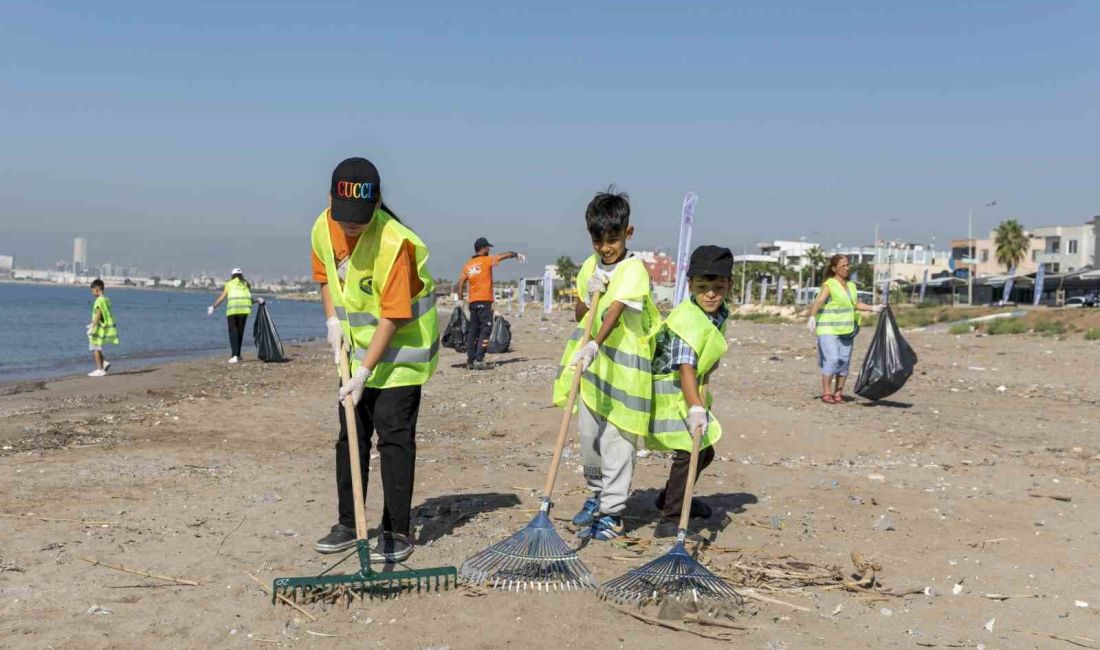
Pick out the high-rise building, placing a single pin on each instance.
(80, 255)
(107, 269)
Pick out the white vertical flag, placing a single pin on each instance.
(547, 291)
(683, 250)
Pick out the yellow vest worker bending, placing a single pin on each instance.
(378, 296)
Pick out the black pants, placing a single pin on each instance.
(391, 413)
(236, 332)
(677, 479)
(481, 326)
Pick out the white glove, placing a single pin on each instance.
(585, 355)
(521, 258)
(811, 324)
(262, 301)
(91, 328)
(598, 282)
(697, 417)
(335, 337)
(210, 310)
(355, 386)
(878, 308)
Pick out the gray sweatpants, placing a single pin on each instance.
(608, 458)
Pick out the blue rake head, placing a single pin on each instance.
(673, 575)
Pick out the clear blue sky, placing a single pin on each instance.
(203, 134)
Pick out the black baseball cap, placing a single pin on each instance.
(711, 260)
(354, 191)
(481, 243)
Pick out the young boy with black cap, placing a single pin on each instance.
(616, 385)
(689, 346)
(379, 297)
(478, 273)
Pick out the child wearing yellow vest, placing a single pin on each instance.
(616, 383)
(101, 330)
(688, 348)
(379, 298)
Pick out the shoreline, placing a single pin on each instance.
(296, 296)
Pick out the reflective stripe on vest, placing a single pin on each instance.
(238, 298)
(105, 331)
(668, 429)
(618, 385)
(837, 317)
(413, 353)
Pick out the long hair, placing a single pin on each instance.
(240, 276)
(830, 268)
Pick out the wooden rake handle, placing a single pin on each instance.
(689, 490)
(567, 414)
(353, 450)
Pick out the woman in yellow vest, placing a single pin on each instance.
(834, 320)
(237, 296)
(379, 297)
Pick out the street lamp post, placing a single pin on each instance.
(970, 257)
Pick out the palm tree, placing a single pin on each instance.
(817, 262)
(1011, 242)
(567, 269)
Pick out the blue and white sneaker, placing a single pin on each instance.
(588, 513)
(606, 528)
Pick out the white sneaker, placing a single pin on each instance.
(97, 373)
(233, 360)
(106, 367)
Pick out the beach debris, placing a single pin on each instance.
(885, 522)
(96, 610)
(989, 625)
(957, 589)
(138, 572)
(1080, 603)
(886, 611)
(1056, 497)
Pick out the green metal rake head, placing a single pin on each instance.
(364, 583)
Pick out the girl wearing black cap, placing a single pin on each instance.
(689, 345)
(379, 301)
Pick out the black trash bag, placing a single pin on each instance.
(889, 361)
(266, 337)
(455, 334)
(500, 336)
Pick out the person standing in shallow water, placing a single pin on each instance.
(835, 322)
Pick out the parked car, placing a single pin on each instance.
(1087, 300)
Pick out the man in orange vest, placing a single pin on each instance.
(478, 273)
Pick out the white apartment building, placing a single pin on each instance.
(1066, 248)
(792, 254)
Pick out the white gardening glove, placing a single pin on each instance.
(91, 328)
(878, 308)
(210, 310)
(355, 386)
(262, 301)
(335, 338)
(697, 417)
(585, 355)
(597, 283)
(811, 324)
(521, 258)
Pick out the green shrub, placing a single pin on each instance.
(1092, 334)
(928, 304)
(1005, 326)
(1050, 328)
(960, 328)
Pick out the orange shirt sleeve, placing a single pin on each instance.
(497, 259)
(403, 284)
(319, 272)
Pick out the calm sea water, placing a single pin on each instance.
(42, 328)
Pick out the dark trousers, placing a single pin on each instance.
(677, 479)
(481, 326)
(236, 332)
(391, 413)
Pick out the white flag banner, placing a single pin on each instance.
(779, 290)
(547, 291)
(522, 288)
(1009, 283)
(763, 291)
(1040, 278)
(683, 250)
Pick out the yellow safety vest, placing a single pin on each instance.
(838, 315)
(106, 331)
(413, 353)
(238, 298)
(669, 429)
(618, 386)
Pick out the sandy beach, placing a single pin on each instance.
(976, 491)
